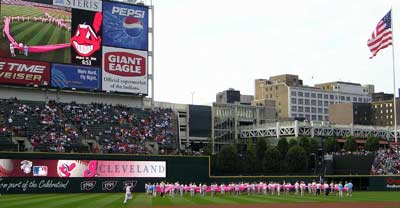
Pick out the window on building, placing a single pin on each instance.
(342, 98)
(294, 100)
(319, 110)
(331, 102)
(301, 115)
(294, 108)
(331, 97)
(326, 103)
(319, 118)
(347, 98)
(326, 96)
(313, 95)
(319, 102)
(307, 116)
(300, 101)
(360, 100)
(313, 102)
(306, 94)
(313, 117)
(326, 118)
(354, 99)
(307, 109)
(307, 102)
(300, 94)
(294, 115)
(319, 95)
(293, 93)
(300, 108)
(326, 110)
(313, 110)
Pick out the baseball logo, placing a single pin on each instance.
(71, 168)
(6, 167)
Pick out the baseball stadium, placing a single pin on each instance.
(80, 126)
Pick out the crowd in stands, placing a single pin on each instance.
(62, 126)
(386, 162)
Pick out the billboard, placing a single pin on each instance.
(24, 72)
(79, 77)
(35, 31)
(124, 70)
(85, 37)
(82, 168)
(125, 26)
(91, 5)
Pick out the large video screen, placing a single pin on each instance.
(91, 45)
(82, 168)
(35, 31)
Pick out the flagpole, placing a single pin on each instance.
(394, 79)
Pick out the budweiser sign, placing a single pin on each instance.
(22, 72)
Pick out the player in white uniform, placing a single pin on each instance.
(128, 193)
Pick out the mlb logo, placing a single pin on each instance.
(39, 170)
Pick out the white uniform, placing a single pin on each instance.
(128, 194)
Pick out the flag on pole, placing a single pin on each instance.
(382, 35)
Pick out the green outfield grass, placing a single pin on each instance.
(36, 33)
(111, 200)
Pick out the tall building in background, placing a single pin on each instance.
(233, 96)
(295, 100)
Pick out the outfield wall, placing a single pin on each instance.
(184, 169)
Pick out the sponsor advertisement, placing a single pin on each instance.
(82, 169)
(124, 70)
(79, 77)
(108, 185)
(85, 37)
(125, 26)
(88, 185)
(35, 30)
(91, 5)
(393, 183)
(23, 72)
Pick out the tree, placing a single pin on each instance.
(250, 159)
(350, 144)
(227, 159)
(292, 143)
(296, 159)
(372, 144)
(272, 160)
(305, 143)
(283, 147)
(261, 147)
(330, 145)
(314, 145)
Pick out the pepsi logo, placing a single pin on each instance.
(124, 64)
(133, 26)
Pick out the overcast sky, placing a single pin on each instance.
(207, 46)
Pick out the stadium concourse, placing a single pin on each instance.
(62, 127)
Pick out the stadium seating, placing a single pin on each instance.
(70, 127)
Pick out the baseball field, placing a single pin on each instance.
(111, 200)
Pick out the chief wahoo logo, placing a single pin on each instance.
(86, 41)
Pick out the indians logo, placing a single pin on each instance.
(87, 185)
(133, 26)
(86, 41)
(66, 169)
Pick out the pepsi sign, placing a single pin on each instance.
(125, 26)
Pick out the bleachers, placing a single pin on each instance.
(61, 127)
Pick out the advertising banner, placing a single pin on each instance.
(79, 77)
(124, 70)
(82, 168)
(125, 26)
(91, 5)
(85, 37)
(35, 31)
(23, 72)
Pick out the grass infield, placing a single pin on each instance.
(111, 200)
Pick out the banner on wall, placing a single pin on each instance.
(91, 5)
(79, 77)
(125, 25)
(85, 37)
(124, 70)
(23, 72)
(82, 168)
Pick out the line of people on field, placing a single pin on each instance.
(272, 188)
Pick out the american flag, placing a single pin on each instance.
(382, 35)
